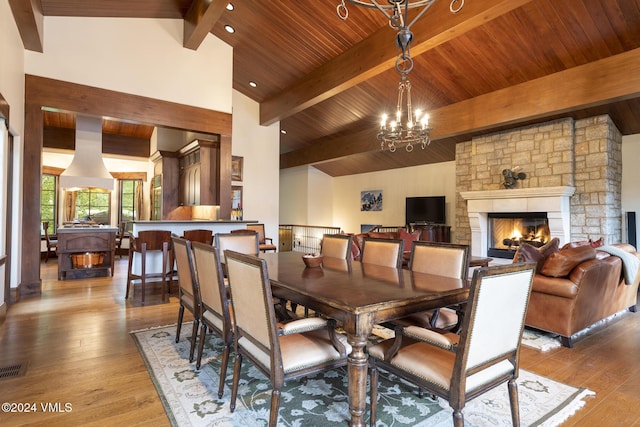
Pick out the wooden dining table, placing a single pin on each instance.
(359, 296)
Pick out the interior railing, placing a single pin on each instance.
(303, 238)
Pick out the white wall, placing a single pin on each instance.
(12, 89)
(137, 56)
(310, 197)
(259, 145)
(631, 178)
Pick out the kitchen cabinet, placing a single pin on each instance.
(199, 164)
(164, 186)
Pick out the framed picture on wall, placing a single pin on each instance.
(236, 197)
(236, 168)
(371, 200)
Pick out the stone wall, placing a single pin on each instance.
(585, 154)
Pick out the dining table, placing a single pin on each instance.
(359, 296)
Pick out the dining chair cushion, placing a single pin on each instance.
(308, 349)
(301, 325)
(439, 370)
(439, 260)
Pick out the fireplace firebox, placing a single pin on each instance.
(507, 230)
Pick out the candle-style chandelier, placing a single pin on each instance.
(408, 127)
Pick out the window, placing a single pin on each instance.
(48, 201)
(129, 201)
(94, 205)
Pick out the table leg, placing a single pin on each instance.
(357, 366)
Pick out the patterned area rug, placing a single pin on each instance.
(190, 397)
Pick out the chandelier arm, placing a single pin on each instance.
(427, 7)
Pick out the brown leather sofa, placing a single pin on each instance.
(576, 287)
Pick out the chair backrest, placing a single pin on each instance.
(154, 239)
(245, 243)
(258, 228)
(336, 246)
(443, 259)
(253, 309)
(121, 229)
(213, 294)
(45, 226)
(494, 319)
(204, 236)
(187, 282)
(385, 252)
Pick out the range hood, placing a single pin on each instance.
(87, 169)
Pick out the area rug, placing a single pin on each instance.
(190, 397)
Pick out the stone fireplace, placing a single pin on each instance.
(573, 173)
(552, 201)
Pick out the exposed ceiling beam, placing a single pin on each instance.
(377, 54)
(200, 19)
(29, 20)
(597, 83)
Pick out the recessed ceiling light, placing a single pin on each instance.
(253, 84)
(229, 6)
(282, 131)
(229, 29)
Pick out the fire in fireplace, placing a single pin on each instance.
(508, 230)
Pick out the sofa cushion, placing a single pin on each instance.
(560, 263)
(592, 243)
(408, 238)
(529, 253)
(383, 235)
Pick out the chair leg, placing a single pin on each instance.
(513, 399)
(374, 394)
(194, 335)
(203, 336)
(223, 368)
(236, 379)
(180, 316)
(126, 296)
(275, 405)
(458, 418)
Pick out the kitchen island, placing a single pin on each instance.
(178, 227)
(85, 251)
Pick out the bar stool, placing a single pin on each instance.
(149, 245)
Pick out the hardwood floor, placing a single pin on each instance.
(75, 341)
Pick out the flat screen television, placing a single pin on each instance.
(430, 209)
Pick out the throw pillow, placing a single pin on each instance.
(408, 238)
(592, 243)
(529, 253)
(560, 264)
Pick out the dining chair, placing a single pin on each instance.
(199, 235)
(297, 349)
(189, 294)
(336, 246)
(215, 314)
(442, 259)
(52, 244)
(385, 252)
(486, 355)
(245, 243)
(264, 246)
(148, 245)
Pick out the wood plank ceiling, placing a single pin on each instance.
(497, 64)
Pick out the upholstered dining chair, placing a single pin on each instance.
(189, 293)
(216, 306)
(150, 244)
(486, 355)
(384, 252)
(336, 246)
(264, 246)
(293, 350)
(199, 235)
(443, 259)
(245, 243)
(52, 244)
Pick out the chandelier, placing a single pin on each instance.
(408, 127)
